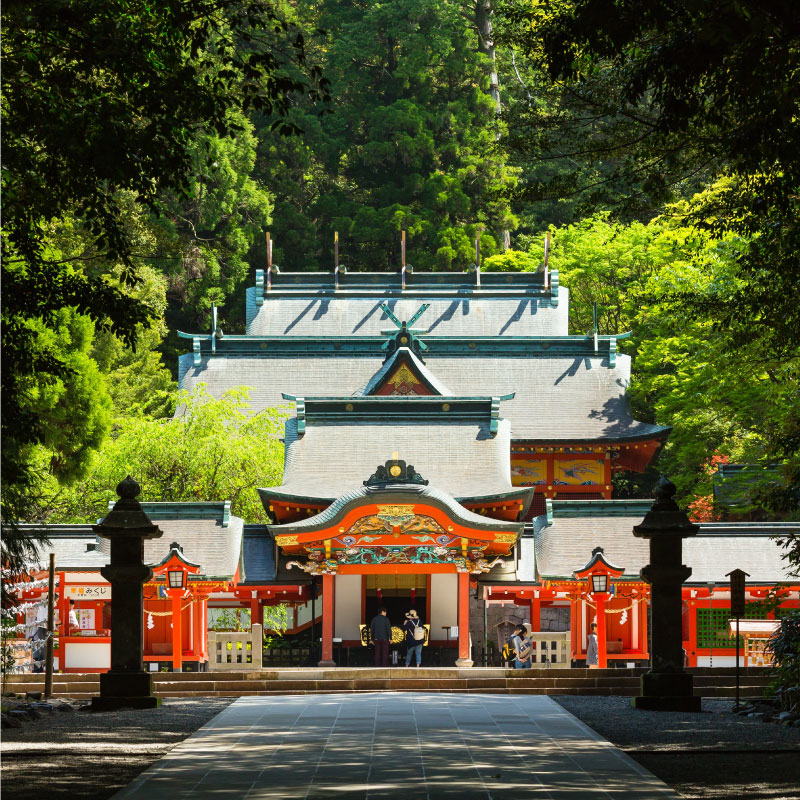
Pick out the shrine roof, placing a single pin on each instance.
(403, 493)
(566, 543)
(399, 356)
(330, 459)
(258, 555)
(504, 305)
(206, 542)
(558, 398)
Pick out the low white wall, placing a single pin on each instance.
(444, 604)
(88, 655)
(719, 661)
(347, 607)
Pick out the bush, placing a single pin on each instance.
(784, 645)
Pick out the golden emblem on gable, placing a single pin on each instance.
(285, 541)
(395, 511)
(505, 538)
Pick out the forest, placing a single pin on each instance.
(148, 148)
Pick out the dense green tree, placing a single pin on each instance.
(212, 449)
(101, 101)
(411, 142)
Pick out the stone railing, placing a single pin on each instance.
(235, 650)
(550, 648)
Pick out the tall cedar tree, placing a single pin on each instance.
(411, 143)
(102, 96)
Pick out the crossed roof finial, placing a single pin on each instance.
(406, 336)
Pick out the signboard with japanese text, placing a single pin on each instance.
(89, 592)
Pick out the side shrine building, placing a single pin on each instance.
(449, 448)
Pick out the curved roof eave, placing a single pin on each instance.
(393, 495)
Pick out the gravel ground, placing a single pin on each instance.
(70, 756)
(78, 755)
(715, 754)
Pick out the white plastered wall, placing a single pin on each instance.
(444, 604)
(347, 611)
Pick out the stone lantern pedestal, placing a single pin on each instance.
(126, 684)
(666, 687)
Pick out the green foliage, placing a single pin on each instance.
(411, 142)
(211, 450)
(275, 621)
(784, 645)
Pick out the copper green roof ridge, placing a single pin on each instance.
(275, 493)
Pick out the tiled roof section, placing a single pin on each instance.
(558, 399)
(75, 547)
(258, 554)
(345, 316)
(216, 549)
(566, 545)
(461, 458)
(392, 495)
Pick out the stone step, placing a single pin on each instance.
(718, 682)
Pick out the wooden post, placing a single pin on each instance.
(602, 661)
(692, 633)
(403, 259)
(48, 666)
(536, 616)
(177, 644)
(336, 260)
(464, 655)
(269, 261)
(327, 622)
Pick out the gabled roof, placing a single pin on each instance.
(392, 495)
(578, 398)
(404, 357)
(462, 456)
(454, 315)
(567, 542)
(215, 547)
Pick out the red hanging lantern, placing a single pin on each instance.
(379, 595)
(413, 597)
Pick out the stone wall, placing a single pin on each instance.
(500, 621)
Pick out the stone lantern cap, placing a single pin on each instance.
(665, 518)
(127, 517)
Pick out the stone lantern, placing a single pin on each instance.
(126, 684)
(666, 687)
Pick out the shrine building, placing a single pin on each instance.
(449, 447)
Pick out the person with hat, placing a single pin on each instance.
(415, 637)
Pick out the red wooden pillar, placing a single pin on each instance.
(255, 609)
(464, 659)
(692, 634)
(327, 622)
(177, 637)
(200, 637)
(574, 626)
(643, 612)
(63, 613)
(536, 621)
(602, 661)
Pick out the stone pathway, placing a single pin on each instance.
(397, 745)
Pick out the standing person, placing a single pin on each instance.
(380, 629)
(523, 648)
(592, 654)
(415, 637)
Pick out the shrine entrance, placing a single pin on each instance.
(397, 594)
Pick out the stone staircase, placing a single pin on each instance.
(708, 682)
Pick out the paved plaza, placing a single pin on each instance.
(398, 745)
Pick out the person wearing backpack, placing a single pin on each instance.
(415, 637)
(523, 648)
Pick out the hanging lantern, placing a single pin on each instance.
(413, 597)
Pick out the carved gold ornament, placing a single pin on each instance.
(395, 511)
(395, 471)
(285, 541)
(505, 538)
